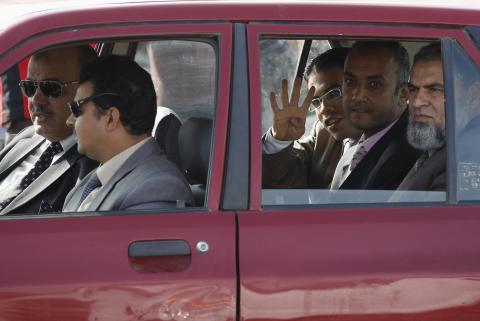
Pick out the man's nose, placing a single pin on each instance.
(39, 97)
(71, 120)
(326, 108)
(359, 92)
(417, 99)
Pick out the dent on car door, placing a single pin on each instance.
(158, 265)
(347, 260)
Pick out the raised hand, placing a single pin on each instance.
(289, 122)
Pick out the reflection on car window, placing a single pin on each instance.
(183, 73)
(467, 109)
(278, 60)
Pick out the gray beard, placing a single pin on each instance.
(425, 136)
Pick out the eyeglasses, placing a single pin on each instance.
(330, 95)
(75, 105)
(50, 88)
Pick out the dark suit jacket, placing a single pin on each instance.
(53, 185)
(387, 162)
(308, 163)
(431, 176)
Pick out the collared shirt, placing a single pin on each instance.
(10, 186)
(271, 145)
(343, 169)
(369, 142)
(106, 171)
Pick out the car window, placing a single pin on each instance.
(184, 75)
(316, 153)
(466, 82)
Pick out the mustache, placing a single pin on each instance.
(41, 110)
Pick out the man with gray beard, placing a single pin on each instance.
(426, 127)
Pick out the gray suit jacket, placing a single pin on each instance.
(52, 185)
(146, 181)
(431, 176)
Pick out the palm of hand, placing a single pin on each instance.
(289, 122)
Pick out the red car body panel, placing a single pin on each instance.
(372, 264)
(281, 263)
(77, 268)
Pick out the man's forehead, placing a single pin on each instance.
(53, 65)
(325, 77)
(427, 72)
(85, 89)
(370, 60)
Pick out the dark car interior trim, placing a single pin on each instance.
(237, 166)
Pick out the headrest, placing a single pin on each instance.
(166, 136)
(194, 142)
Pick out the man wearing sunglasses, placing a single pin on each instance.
(292, 163)
(41, 164)
(114, 114)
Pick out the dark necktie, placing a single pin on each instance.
(93, 183)
(358, 156)
(420, 161)
(39, 167)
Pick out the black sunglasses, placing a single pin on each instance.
(50, 88)
(75, 105)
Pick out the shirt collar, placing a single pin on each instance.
(369, 142)
(106, 171)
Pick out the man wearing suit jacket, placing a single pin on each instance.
(290, 162)
(426, 127)
(375, 97)
(113, 115)
(41, 164)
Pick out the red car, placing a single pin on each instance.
(247, 252)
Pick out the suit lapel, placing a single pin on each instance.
(376, 156)
(130, 164)
(48, 177)
(18, 153)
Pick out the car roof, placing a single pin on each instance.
(22, 20)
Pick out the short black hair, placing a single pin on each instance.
(334, 57)
(123, 76)
(400, 55)
(429, 52)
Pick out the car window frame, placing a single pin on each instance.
(126, 31)
(335, 31)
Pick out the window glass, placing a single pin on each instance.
(279, 59)
(183, 73)
(299, 169)
(467, 107)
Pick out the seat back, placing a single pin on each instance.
(194, 141)
(166, 135)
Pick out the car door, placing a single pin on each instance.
(161, 265)
(303, 257)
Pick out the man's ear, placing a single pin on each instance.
(403, 95)
(112, 117)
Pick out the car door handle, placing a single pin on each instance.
(159, 256)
